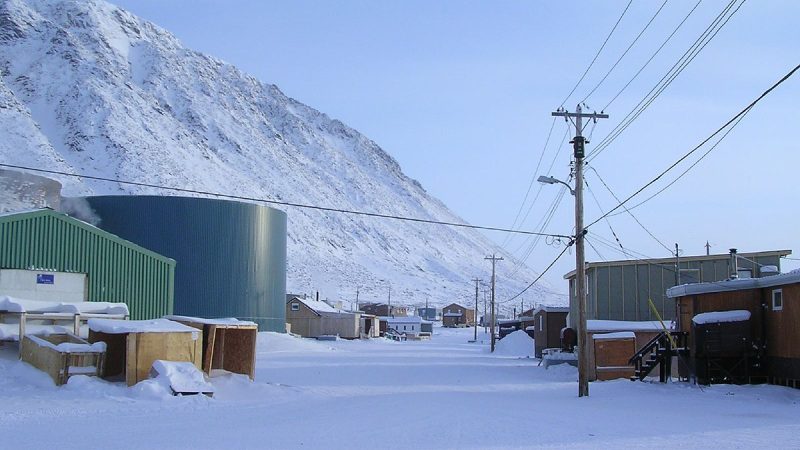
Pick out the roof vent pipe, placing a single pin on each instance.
(734, 265)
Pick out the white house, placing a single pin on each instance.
(411, 325)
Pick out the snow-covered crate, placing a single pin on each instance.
(133, 345)
(63, 355)
(228, 344)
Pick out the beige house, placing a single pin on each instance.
(314, 318)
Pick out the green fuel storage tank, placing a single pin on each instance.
(230, 256)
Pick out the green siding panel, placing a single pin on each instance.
(117, 270)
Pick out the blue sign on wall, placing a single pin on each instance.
(45, 278)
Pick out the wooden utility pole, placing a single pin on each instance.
(677, 266)
(475, 315)
(494, 260)
(579, 144)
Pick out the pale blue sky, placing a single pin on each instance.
(460, 93)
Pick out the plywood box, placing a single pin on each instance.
(62, 356)
(612, 355)
(134, 345)
(228, 344)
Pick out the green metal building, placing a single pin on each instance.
(620, 290)
(117, 270)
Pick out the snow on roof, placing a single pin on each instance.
(734, 285)
(453, 314)
(737, 315)
(316, 305)
(18, 305)
(617, 335)
(70, 347)
(111, 326)
(624, 325)
(222, 321)
(404, 319)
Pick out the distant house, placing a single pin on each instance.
(620, 290)
(427, 313)
(411, 325)
(455, 315)
(383, 310)
(547, 324)
(314, 318)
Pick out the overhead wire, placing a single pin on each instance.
(700, 43)
(614, 66)
(698, 146)
(598, 53)
(658, 50)
(278, 202)
(627, 210)
(533, 180)
(540, 274)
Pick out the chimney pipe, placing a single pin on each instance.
(734, 265)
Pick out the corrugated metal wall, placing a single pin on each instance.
(620, 292)
(117, 270)
(231, 256)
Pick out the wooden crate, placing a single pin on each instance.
(130, 355)
(612, 355)
(43, 353)
(227, 345)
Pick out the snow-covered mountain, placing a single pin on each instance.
(89, 88)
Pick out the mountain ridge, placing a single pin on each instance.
(88, 87)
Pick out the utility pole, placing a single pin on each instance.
(390, 301)
(485, 329)
(475, 316)
(708, 248)
(579, 144)
(494, 260)
(677, 266)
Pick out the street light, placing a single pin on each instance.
(550, 180)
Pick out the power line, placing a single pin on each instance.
(625, 52)
(541, 274)
(598, 53)
(688, 168)
(658, 50)
(690, 152)
(283, 203)
(627, 210)
(533, 179)
(665, 81)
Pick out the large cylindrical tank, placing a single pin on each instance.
(230, 256)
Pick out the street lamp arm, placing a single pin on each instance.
(552, 180)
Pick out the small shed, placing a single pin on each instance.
(133, 345)
(643, 331)
(547, 324)
(612, 352)
(228, 344)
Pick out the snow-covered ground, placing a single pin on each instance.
(442, 393)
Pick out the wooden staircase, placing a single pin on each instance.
(659, 352)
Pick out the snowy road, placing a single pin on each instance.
(443, 393)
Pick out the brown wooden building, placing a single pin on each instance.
(774, 324)
(548, 322)
(455, 315)
(315, 318)
(383, 310)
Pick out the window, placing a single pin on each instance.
(744, 273)
(777, 299)
(295, 306)
(404, 328)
